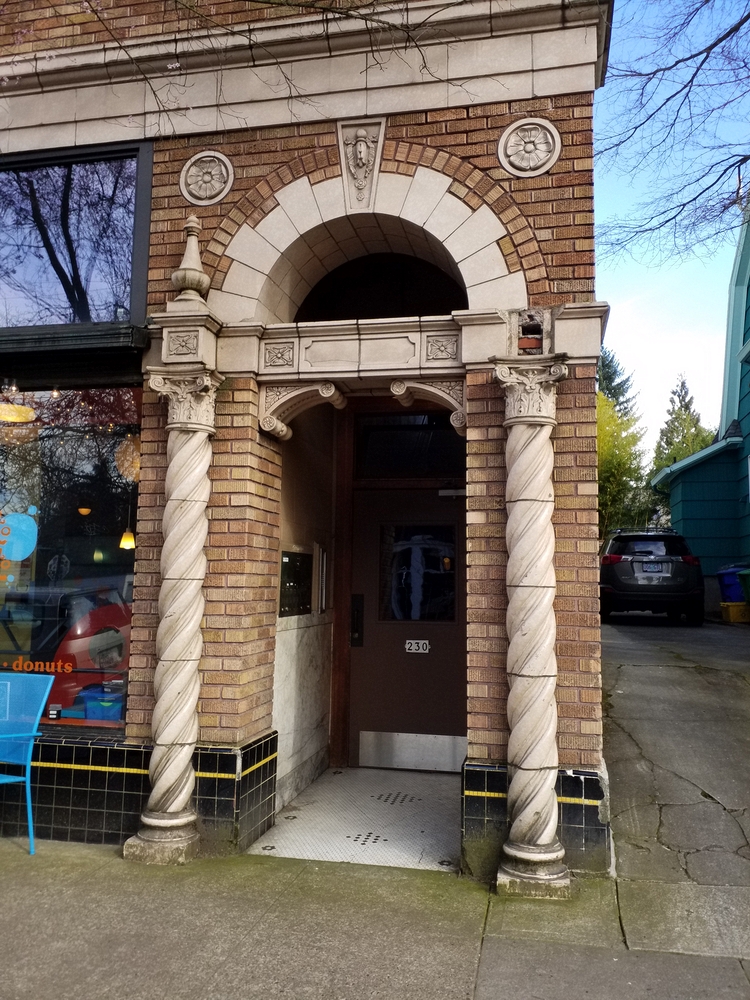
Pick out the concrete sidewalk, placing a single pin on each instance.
(79, 922)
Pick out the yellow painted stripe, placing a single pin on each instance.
(142, 770)
(259, 764)
(90, 767)
(560, 798)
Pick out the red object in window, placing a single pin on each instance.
(610, 560)
(98, 647)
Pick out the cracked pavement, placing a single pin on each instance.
(677, 746)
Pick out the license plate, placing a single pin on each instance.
(652, 567)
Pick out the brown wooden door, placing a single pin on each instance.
(408, 591)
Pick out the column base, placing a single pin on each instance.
(164, 839)
(529, 870)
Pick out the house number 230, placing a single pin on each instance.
(417, 646)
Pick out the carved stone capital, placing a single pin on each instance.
(191, 393)
(530, 392)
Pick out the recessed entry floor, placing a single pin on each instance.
(398, 819)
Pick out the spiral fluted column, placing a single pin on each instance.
(168, 834)
(532, 852)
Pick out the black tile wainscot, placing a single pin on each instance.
(93, 789)
(583, 826)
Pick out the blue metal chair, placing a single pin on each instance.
(22, 700)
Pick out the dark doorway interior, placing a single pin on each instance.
(382, 285)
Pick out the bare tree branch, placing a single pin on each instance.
(677, 110)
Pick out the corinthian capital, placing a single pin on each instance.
(191, 393)
(530, 392)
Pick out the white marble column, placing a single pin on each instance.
(188, 380)
(532, 854)
(168, 834)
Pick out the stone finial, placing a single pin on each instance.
(190, 280)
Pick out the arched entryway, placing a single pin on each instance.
(368, 310)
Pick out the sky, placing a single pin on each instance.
(665, 320)
(668, 318)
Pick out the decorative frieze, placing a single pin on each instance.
(454, 389)
(278, 355)
(273, 393)
(182, 344)
(441, 348)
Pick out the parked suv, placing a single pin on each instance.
(650, 571)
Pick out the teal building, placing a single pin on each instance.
(709, 490)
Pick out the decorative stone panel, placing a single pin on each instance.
(529, 147)
(360, 148)
(206, 178)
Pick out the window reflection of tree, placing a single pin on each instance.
(66, 237)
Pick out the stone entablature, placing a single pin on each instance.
(413, 347)
(362, 347)
(478, 51)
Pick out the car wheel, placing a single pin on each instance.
(674, 614)
(605, 611)
(695, 614)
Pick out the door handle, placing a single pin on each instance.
(356, 621)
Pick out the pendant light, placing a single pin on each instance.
(128, 538)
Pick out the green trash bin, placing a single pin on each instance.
(743, 576)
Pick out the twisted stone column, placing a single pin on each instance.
(168, 834)
(532, 852)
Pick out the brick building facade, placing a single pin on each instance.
(299, 145)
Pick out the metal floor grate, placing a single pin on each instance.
(399, 819)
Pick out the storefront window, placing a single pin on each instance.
(69, 470)
(66, 241)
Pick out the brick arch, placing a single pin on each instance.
(263, 253)
(253, 207)
(473, 186)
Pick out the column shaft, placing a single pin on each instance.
(168, 834)
(532, 852)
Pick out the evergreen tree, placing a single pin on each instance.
(615, 384)
(682, 434)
